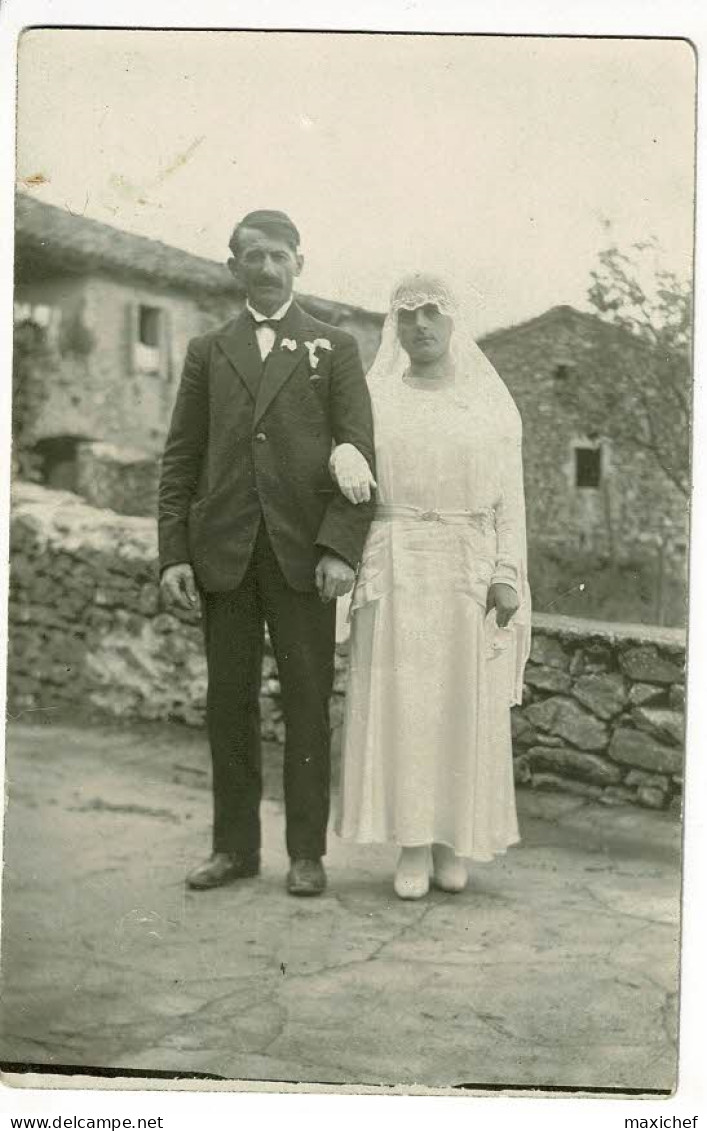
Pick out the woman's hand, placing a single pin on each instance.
(504, 599)
(352, 473)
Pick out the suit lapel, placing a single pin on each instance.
(239, 344)
(281, 363)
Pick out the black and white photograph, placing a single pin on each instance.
(349, 529)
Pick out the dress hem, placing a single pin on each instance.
(477, 858)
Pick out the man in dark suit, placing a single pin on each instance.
(250, 517)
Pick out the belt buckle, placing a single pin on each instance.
(430, 516)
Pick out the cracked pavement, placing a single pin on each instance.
(557, 967)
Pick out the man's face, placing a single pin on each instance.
(424, 333)
(266, 267)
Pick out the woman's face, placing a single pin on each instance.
(425, 333)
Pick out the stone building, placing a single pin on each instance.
(118, 310)
(584, 491)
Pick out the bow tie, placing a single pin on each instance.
(273, 323)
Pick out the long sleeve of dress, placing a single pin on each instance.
(512, 558)
(510, 520)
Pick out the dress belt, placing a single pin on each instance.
(389, 511)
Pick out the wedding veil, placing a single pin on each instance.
(477, 384)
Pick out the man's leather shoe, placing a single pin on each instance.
(223, 868)
(306, 877)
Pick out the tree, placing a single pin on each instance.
(646, 402)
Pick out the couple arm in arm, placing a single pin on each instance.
(350, 467)
(353, 475)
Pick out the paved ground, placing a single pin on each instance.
(556, 968)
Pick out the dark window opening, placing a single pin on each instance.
(564, 384)
(149, 326)
(58, 461)
(587, 467)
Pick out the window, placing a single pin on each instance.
(149, 326)
(150, 338)
(587, 467)
(565, 385)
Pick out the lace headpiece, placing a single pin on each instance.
(476, 382)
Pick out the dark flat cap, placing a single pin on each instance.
(272, 223)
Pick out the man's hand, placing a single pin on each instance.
(352, 473)
(334, 577)
(504, 599)
(178, 586)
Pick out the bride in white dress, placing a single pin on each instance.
(440, 613)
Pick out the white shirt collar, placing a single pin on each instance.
(276, 317)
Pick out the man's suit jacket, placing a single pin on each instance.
(251, 439)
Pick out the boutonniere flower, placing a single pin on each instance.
(312, 347)
(288, 344)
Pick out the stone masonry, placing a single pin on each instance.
(603, 711)
(636, 507)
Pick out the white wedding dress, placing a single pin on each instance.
(426, 743)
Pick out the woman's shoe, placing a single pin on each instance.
(450, 872)
(412, 875)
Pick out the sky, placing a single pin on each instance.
(506, 163)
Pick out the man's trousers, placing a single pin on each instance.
(301, 631)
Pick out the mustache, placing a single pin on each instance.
(267, 281)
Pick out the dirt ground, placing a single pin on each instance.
(556, 968)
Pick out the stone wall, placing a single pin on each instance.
(602, 717)
(603, 711)
(120, 479)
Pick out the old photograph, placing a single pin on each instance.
(349, 532)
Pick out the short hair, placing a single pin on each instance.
(272, 223)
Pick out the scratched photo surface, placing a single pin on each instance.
(542, 190)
